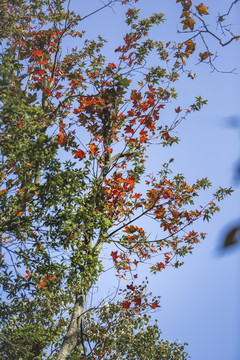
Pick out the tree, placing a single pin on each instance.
(75, 133)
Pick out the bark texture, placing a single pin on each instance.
(70, 340)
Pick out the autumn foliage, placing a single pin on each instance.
(76, 129)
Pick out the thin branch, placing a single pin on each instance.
(230, 8)
(99, 9)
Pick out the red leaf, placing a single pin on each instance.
(144, 106)
(128, 129)
(37, 52)
(166, 135)
(131, 112)
(130, 287)
(28, 273)
(137, 301)
(114, 256)
(126, 304)
(58, 95)
(178, 110)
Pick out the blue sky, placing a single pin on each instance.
(200, 301)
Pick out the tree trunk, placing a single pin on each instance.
(70, 340)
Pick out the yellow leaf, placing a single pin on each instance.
(188, 23)
(202, 10)
(21, 191)
(185, 14)
(190, 47)
(187, 5)
(122, 278)
(205, 55)
(183, 59)
(159, 212)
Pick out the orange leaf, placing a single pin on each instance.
(130, 229)
(42, 62)
(93, 149)
(60, 138)
(50, 277)
(4, 191)
(143, 136)
(112, 65)
(42, 285)
(130, 180)
(155, 305)
(126, 267)
(79, 154)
